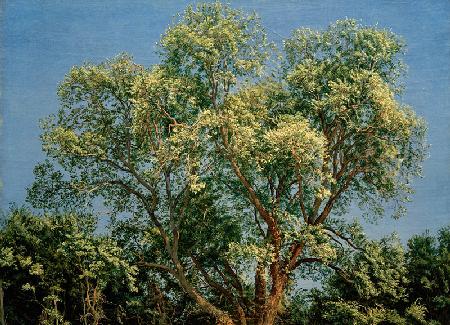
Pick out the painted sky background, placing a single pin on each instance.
(41, 40)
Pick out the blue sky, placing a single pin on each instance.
(42, 40)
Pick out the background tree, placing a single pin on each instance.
(429, 273)
(233, 166)
(375, 291)
(55, 270)
(384, 285)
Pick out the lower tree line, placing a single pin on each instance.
(59, 269)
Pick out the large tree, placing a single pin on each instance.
(237, 159)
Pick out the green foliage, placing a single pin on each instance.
(217, 44)
(428, 260)
(378, 276)
(221, 169)
(57, 269)
(344, 80)
(381, 284)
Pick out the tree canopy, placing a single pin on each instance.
(232, 162)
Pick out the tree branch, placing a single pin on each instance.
(346, 239)
(327, 209)
(159, 267)
(213, 284)
(336, 268)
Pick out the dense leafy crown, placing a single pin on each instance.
(259, 158)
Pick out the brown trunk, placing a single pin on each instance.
(160, 305)
(260, 286)
(242, 316)
(270, 310)
(222, 318)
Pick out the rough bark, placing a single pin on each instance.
(260, 286)
(222, 318)
(270, 310)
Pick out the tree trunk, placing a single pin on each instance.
(270, 310)
(260, 286)
(242, 317)
(160, 305)
(222, 318)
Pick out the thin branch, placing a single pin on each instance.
(279, 190)
(236, 282)
(327, 209)
(261, 230)
(336, 268)
(149, 209)
(159, 267)
(346, 239)
(300, 194)
(213, 284)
